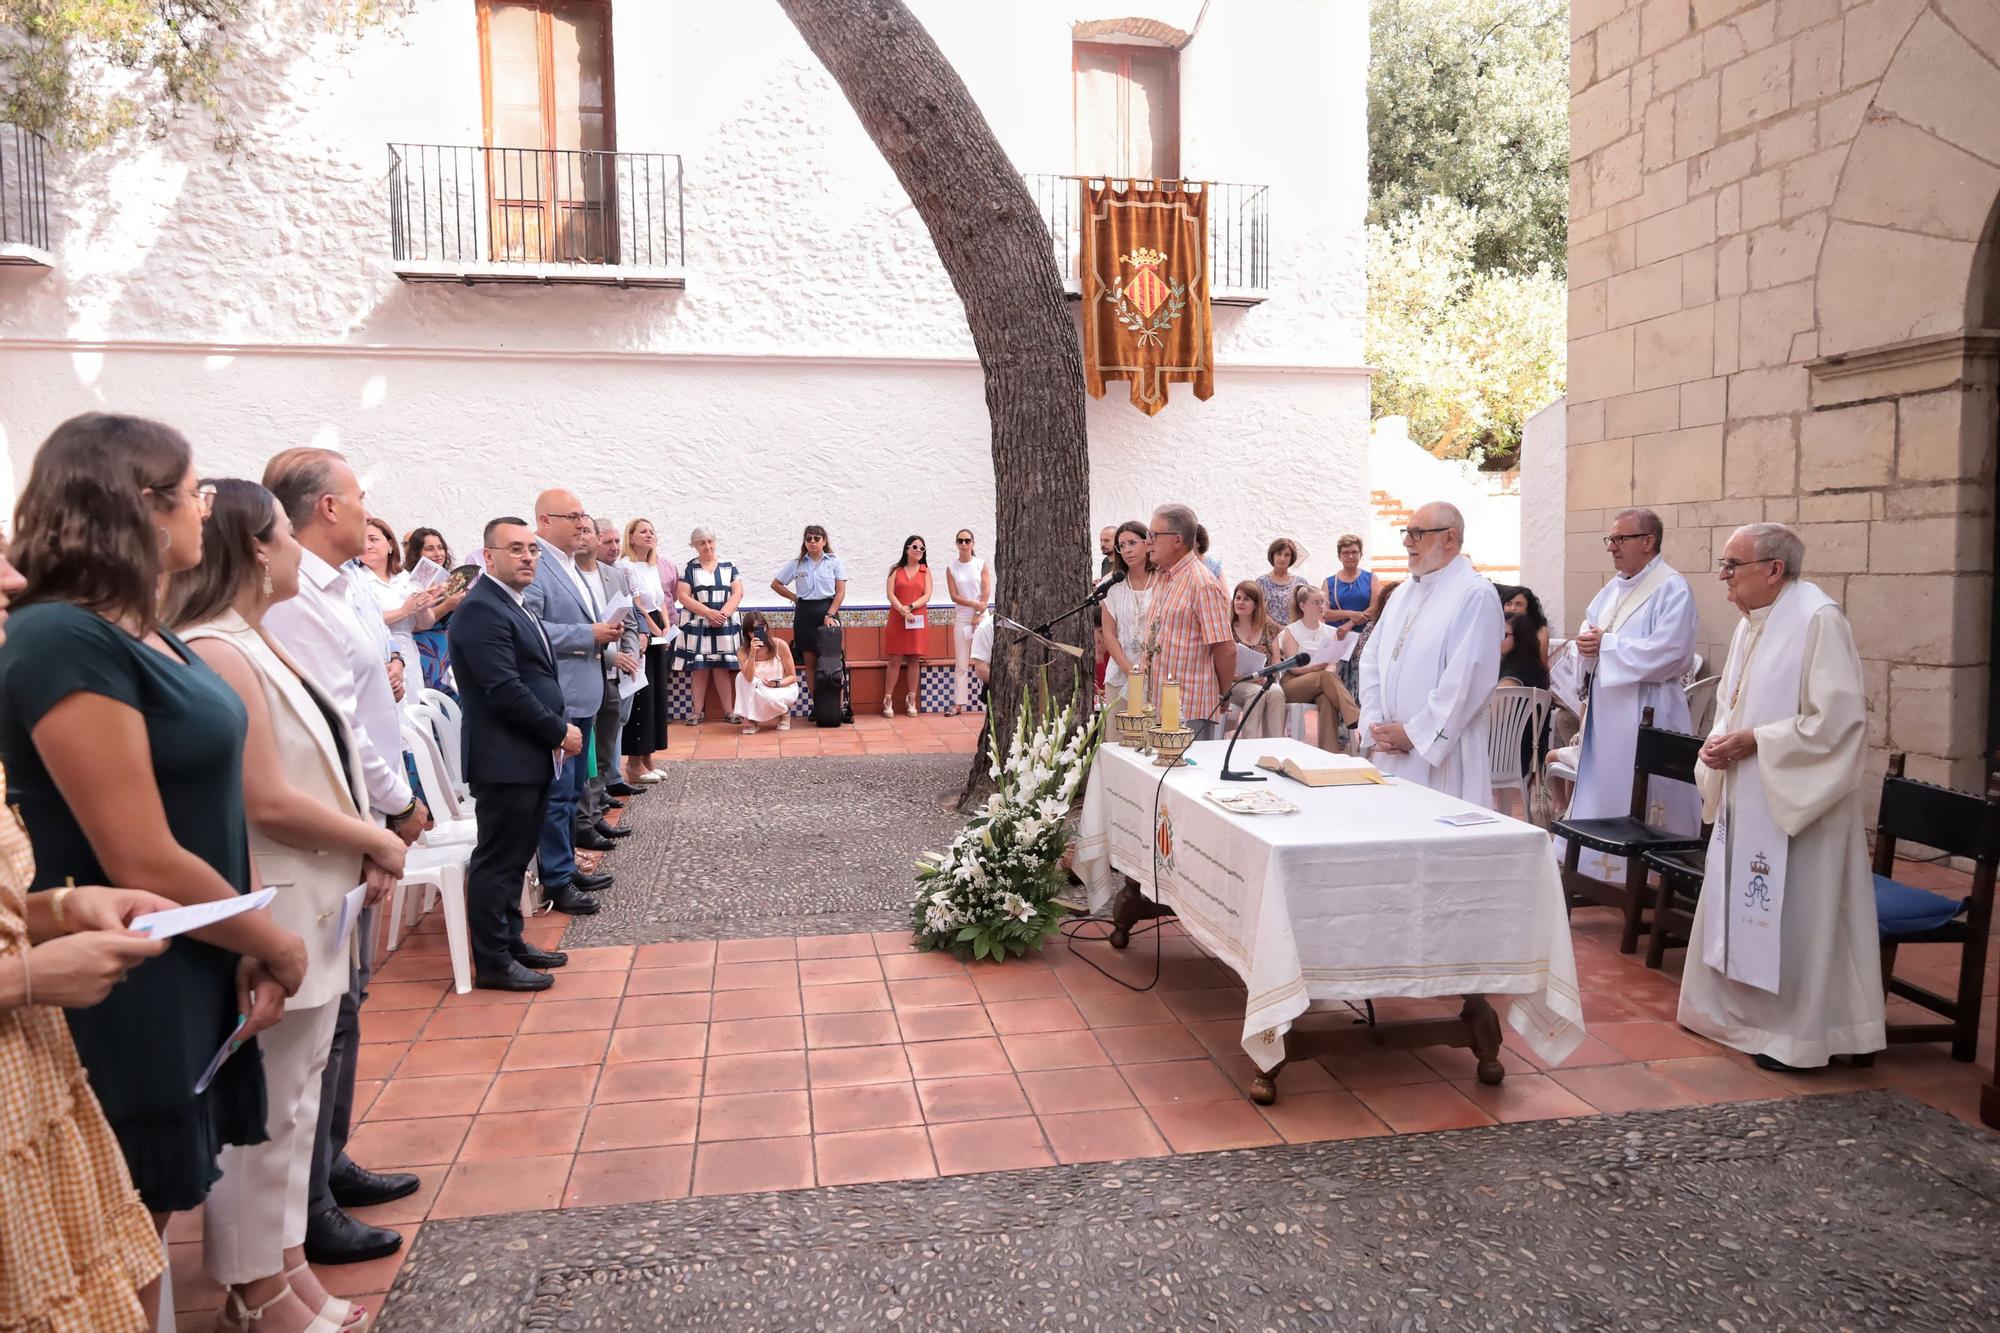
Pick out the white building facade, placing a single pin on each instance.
(697, 294)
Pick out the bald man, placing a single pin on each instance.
(1428, 668)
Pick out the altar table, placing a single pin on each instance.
(1360, 895)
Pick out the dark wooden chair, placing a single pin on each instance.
(1680, 874)
(1661, 754)
(1958, 824)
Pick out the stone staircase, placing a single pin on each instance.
(1385, 542)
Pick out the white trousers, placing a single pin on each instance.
(257, 1210)
(962, 631)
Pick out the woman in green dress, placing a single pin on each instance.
(124, 755)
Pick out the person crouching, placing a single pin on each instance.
(767, 684)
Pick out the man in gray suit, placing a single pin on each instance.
(621, 657)
(572, 615)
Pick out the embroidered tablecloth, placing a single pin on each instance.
(1362, 894)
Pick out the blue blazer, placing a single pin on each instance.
(515, 716)
(567, 620)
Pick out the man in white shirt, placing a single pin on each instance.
(345, 650)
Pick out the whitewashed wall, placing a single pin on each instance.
(1545, 511)
(817, 368)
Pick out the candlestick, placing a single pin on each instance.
(1170, 705)
(1135, 692)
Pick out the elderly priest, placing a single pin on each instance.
(1431, 663)
(1637, 642)
(1785, 964)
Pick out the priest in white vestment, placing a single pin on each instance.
(1636, 644)
(1431, 663)
(1785, 962)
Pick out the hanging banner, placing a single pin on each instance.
(1145, 289)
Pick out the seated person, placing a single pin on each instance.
(981, 652)
(767, 684)
(1521, 659)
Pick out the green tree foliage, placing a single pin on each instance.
(1469, 99)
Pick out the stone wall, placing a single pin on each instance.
(1782, 218)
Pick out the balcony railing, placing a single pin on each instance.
(24, 198)
(1239, 234)
(469, 214)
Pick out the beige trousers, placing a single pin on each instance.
(1329, 697)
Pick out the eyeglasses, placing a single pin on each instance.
(571, 517)
(1727, 568)
(1418, 534)
(520, 550)
(201, 497)
(1618, 539)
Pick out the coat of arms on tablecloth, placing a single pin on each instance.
(1758, 892)
(1163, 840)
(1147, 303)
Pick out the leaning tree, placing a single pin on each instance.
(993, 244)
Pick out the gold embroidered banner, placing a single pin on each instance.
(1145, 289)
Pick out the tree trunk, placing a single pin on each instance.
(998, 253)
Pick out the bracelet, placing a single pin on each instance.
(56, 908)
(405, 812)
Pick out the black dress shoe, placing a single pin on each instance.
(622, 789)
(529, 956)
(1780, 1067)
(566, 899)
(357, 1187)
(591, 883)
(612, 831)
(613, 803)
(332, 1237)
(515, 976)
(588, 840)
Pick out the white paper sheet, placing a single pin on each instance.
(427, 572)
(617, 606)
(629, 685)
(1335, 649)
(350, 912)
(1249, 659)
(199, 916)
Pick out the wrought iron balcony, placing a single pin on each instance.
(24, 198)
(470, 214)
(1239, 235)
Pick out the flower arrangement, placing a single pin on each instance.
(990, 893)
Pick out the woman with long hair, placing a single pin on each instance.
(654, 588)
(1320, 686)
(1282, 580)
(815, 583)
(1518, 600)
(903, 637)
(311, 839)
(433, 648)
(1255, 630)
(768, 684)
(405, 609)
(124, 751)
(1122, 618)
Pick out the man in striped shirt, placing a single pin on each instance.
(1188, 638)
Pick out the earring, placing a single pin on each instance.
(268, 587)
(166, 539)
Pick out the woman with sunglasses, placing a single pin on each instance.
(969, 582)
(903, 637)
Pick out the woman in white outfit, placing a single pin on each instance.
(405, 609)
(969, 581)
(767, 684)
(1320, 686)
(1123, 615)
(311, 840)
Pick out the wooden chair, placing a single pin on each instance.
(1958, 824)
(1681, 874)
(1659, 754)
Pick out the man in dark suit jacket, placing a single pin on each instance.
(514, 730)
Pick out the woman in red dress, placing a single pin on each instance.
(903, 637)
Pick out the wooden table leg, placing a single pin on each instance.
(1483, 1023)
(1264, 1084)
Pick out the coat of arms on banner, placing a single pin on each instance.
(1139, 298)
(1144, 266)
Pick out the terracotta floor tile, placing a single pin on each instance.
(669, 980)
(1622, 1088)
(1218, 1036)
(635, 1175)
(411, 1208)
(406, 995)
(506, 1135)
(1524, 1097)
(933, 992)
(1213, 1126)
(380, 1060)
(1197, 1006)
(1589, 1052)
(1296, 1076)
(873, 1154)
(745, 976)
(865, 1106)
(837, 946)
(413, 1098)
(1457, 1063)
(990, 1145)
(959, 1058)
(605, 958)
(649, 1080)
(1200, 973)
(1417, 1108)
(761, 1071)
(744, 1036)
(426, 1142)
(352, 1280)
(673, 1041)
(548, 1050)
(1102, 1136)
(582, 986)
(1012, 981)
(1379, 1068)
(1058, 1091)
(818, 971)
(980, 1097)
(365, 1092)
(1050, 1015)
(950, 1023)
(753, 1165)
(541, 1089)
(877, 1028)
(755, 1115)
(847, 997)
(393, 1025)
(1121, 1010)
(493, 1021)
(1148, 1043)
(682, 953)
(1180, 1082)
(508, 1185)
(1651, 1041)
(1316, 1117)
(649, 1011)
(640, 1125)
(471, 1055)
(1715, 1078)
(920, 966)
(847, 1066)
(1054, 1050)
(757, 1002)
(570, 1015)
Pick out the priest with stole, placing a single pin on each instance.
(1784, 963)
(1431, 663)
(1636, 644)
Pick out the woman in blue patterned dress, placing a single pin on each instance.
(711, 589)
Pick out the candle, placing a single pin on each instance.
(1135, 692)
(1170, 706)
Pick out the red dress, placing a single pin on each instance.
(898, 640)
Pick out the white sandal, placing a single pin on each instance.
(239, 1316)
(784, 724)
(337, 1308)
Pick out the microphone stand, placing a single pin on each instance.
(1097, 596)
(1229, 774)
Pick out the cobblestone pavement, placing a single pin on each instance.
(748, 848)
(1855, 1211)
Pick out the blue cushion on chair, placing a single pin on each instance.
(1903, 910)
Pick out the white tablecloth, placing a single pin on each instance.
(1360, 895)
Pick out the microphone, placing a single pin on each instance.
(1111, 580)
(1277, 668)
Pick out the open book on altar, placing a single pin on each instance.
(1333, 770)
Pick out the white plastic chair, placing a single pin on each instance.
(441, 872)
(1514, 711)
(453, 825)
(434, 725)
(1701, 704)
(447, 718)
